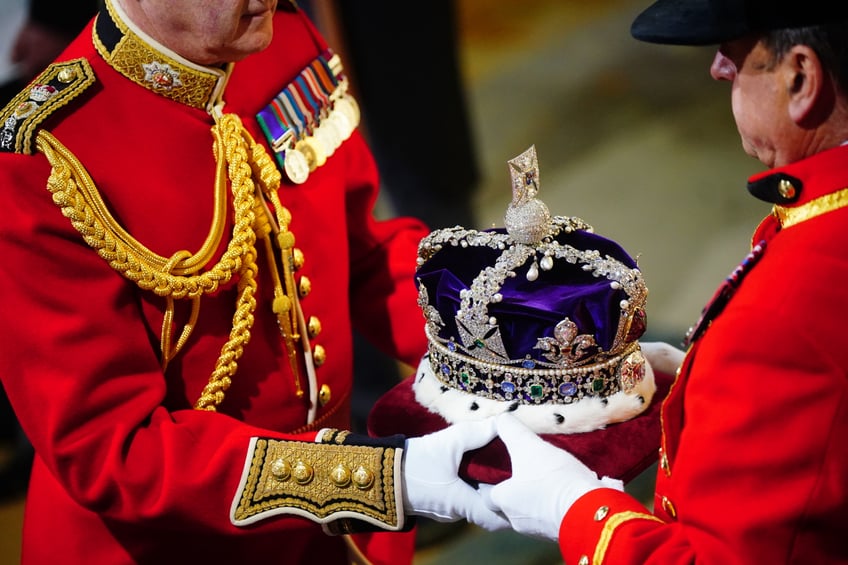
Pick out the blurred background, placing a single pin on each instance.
(636, 139)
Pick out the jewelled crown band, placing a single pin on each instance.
(535, 386)
(541, 312)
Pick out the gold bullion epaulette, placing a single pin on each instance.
(348, 482)
(54, 88)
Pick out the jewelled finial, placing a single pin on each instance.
(527, 218)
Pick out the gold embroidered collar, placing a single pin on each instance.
(150, 64)
(795, 215)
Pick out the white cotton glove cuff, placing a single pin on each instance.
(431, 484)
(662, 357)
(546, 481)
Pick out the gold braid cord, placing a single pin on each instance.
(238, 158)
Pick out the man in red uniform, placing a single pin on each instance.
(753, 466)
(188, 245)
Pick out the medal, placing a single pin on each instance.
(329, 136)
(348, 106)
(342, 124)
(311, 148)
(296, 166)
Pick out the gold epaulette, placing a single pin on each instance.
(54, 88)
(342, 483)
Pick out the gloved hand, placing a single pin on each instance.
(545, 481)
(431, 484)
(662, 357)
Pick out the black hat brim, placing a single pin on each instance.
(710, 22)
(690, 22)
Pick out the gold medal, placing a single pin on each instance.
(348, 106)
(329, 136)
(311, 148)
(342, 124)
(296, 165)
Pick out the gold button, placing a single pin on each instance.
(324, 395)
(584, 560)
(785, 188)
(664, 463)
(319, 355)
(340, 475)
(280, 469)
(302, 472)
(285, 239)
(314, 326)
(601, 513)
(305, 287)
(363, 478)
(297, 258)
(669, 508)
(67, 75)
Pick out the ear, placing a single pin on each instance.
(805, 80)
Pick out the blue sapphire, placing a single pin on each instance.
(446, 369)
(508, 387)
(567, 389)
(528, 364)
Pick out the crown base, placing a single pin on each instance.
(586, 415)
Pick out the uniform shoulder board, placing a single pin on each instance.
(55, 87)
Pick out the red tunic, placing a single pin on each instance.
(754, 464)
(126, 471)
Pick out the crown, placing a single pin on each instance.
(542, 312)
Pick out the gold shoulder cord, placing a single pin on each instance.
(177, 277)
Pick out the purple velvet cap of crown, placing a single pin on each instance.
(529, 310)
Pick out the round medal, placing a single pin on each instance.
(329, 136)
(342, 124)
(313, 151)
(296, 165)
(348, 106)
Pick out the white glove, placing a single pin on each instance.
(431, 484)
(662, 357)
(545, 481)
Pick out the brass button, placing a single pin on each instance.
(601, 513)
(340, 475)
(313, 326)
(280, 469)
(786, 189)
(584, 560)
(297, 258)
(669, 508)
(324, 395)
(302, 472)
(362, 478)
(67, 75)
(664, 463)
(319, 355)
(304, 287)
(285, 239)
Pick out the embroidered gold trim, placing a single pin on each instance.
(789, 217)
(146, 66)
(609, 529)
(26, 111)
(292, 477)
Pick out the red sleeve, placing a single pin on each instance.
(384, 299)
(758, 476)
